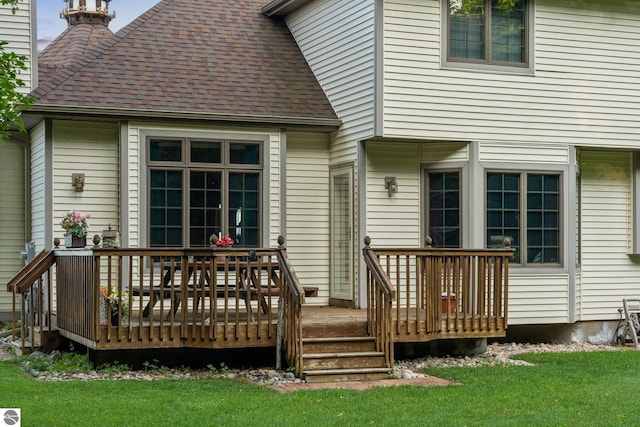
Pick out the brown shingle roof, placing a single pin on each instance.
(73, 43)
(192, 56)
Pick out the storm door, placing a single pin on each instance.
(341, 242)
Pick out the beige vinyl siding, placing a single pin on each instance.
(337, 40)
(538, 298)
(608, 274)
(393, 220)
(524, 153)
(12, 216)
(307, 210)
(137, 133)
(17, 29)
(447, 152)
(91, 148)
(583, 92)
(38, 188)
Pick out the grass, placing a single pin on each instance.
(563, 389)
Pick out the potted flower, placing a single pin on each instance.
(75, 224)
(222, 242)
(112, 303)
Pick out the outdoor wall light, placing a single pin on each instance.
(390, 184)
(77, 180)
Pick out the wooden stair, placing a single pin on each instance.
(334, 353)
(44, 340)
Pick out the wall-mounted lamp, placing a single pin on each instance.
(390, 184)
(77, 180)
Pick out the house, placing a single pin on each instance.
(530, 135)
(170, 79)
(346, 119)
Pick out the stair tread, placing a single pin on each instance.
(342, 354)
(335, 339)
(345, 371)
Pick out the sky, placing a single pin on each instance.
(50, 25)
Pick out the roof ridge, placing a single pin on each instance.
(127, 29)
(53, 43)
(65, 73)
(92, 53)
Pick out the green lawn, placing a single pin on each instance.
(573, 389)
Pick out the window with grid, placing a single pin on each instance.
(488, 32)
(536, 234)
(444, 209)
(202, 187)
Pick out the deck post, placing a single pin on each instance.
(279, 334)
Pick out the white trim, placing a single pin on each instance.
(124, 184)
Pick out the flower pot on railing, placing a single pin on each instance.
(75, 225)
(73, 241)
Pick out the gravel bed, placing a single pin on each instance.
(496, 354)
(500, 354)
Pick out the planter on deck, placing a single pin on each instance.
(448, 303)
(72, 241)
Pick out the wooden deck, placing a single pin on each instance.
(136, 299)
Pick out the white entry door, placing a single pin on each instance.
(342, 234)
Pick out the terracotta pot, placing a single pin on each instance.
(448, 303)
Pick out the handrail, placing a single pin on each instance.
(28, 274)
(380, 294)
(291, 279)
(34, 280)
(373, 264)
(289, 313)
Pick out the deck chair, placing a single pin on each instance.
(631, 328)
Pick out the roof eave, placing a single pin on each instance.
(282, 7)
(326, 124)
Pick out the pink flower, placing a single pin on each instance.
(75, 223)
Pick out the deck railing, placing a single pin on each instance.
(380, 297)
(290, 312)
(150, 298)
(446, 293)
(191, 297)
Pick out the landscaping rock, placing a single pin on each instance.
(408, 370)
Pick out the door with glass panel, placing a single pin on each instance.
(341, 241)
(443, 208)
